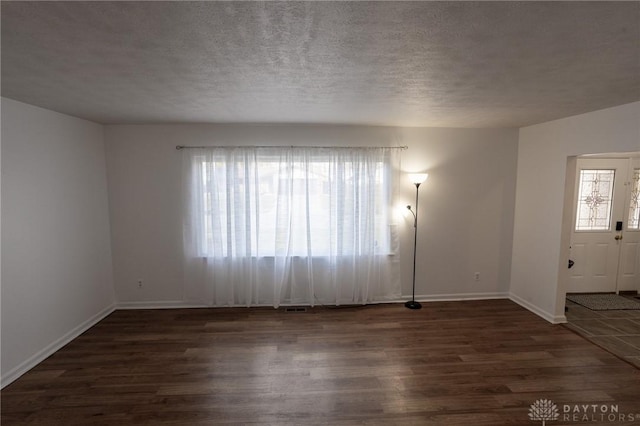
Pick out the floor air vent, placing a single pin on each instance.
(295, 309)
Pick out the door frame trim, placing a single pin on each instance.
(567, 219)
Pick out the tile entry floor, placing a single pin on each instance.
(616, 331)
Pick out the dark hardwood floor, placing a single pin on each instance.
(451, 363)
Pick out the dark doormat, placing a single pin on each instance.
(604, 302)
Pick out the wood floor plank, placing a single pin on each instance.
(451, 363)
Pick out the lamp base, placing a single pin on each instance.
(412, 304)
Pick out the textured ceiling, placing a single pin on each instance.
(449, 64)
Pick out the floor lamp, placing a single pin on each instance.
(416, 179)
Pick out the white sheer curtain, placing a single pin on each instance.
(271, 226)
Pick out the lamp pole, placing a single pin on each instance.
(417, 180)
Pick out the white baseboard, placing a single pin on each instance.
(180, 304)
(456, 297)
(553, 319)
(10, 376)
(161, 304)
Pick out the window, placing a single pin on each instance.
(634, 204)
(257, 203)
(290, 225)
(595, 196)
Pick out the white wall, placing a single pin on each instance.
(539, 258)
(466, 206)
(56, 258)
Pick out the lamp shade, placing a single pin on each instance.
(418, 178)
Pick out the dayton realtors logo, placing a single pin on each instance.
(545, 410)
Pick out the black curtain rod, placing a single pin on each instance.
(292, 146)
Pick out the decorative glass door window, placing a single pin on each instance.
(595, 196)
(634, 204)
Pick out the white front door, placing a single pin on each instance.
(599, 225)
(629, 269)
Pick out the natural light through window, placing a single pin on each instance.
(634, 204)
(307, 206)
(289, 224)
(595, 196)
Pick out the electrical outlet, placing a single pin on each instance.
(139, 282)
(476, 276)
